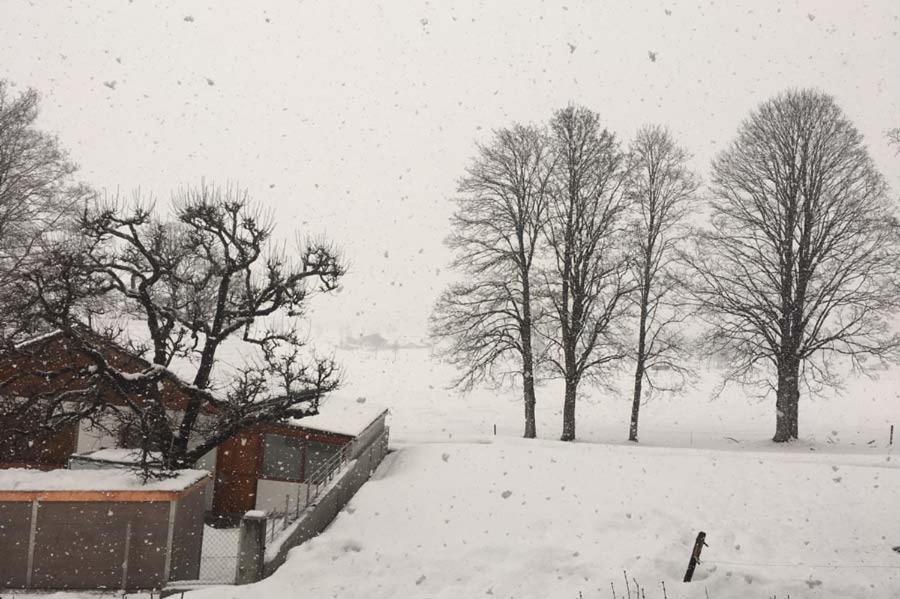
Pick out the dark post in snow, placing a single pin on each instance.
(695, 556)
(891, 440)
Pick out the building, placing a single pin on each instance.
(266, 467)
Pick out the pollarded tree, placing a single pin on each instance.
(799, 262)
(661, 189)
(487, 322)
(208, 276)
(588, 277)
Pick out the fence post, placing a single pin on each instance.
(32, 532)
(891, 441)
(251, 547)
(695, 556)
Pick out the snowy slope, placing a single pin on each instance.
(547, 519)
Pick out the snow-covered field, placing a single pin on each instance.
(545, 519)
(458, 512)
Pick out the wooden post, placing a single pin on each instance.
(495, 430)
(695, 556)
(891, 442)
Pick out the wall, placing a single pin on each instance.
(319, 516)
(208, 463)
(238, 462)
(112, 540)
(91, 438)
(187, 535)
(270, 495)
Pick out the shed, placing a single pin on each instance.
(89, 529)
(267, 467)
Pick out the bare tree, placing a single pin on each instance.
(588, 279)
(660, 189)
(797, 266)
(894, 137)
(488, 321)
(208, 276)
(37, 190)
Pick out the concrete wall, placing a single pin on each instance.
(271, 495)
(208, 463)
(93, 438)
(320, 515)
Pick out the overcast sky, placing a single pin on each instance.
(355, 119)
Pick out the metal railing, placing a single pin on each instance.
(308, 492)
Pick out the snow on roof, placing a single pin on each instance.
(110, 454)
(32, 340)
(26, 479)
(343, 415)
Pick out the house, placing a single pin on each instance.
(265, 467)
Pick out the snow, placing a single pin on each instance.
(455, 511)
(110, 454)
(542, 519)
(343, 414)
(38, 338)
(24, 479)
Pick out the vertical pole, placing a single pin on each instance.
(125, 556)
(495, 430)
(695, 556)
(251, 548)
(891, 442)
(170, 537)
(32, 533)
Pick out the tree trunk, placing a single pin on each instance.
(786, 403)
(636, 401)
(794, 405)
(530, 400)
(641, 363)
(527, 358)
(568, 432)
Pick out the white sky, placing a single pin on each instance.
(355, 119)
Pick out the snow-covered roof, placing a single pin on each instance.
(26, 479)
(38, 338)
(343, 415)
(112, 455)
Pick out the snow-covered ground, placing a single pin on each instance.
(458, 512)
(544, 519)
(415, 388)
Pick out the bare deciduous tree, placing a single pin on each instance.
(588, 280)
(37, 191)
(660, 190)
(208, 276)
(488, 320)
(802, 252)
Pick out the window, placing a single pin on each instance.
(317, 454)
(283, 457)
